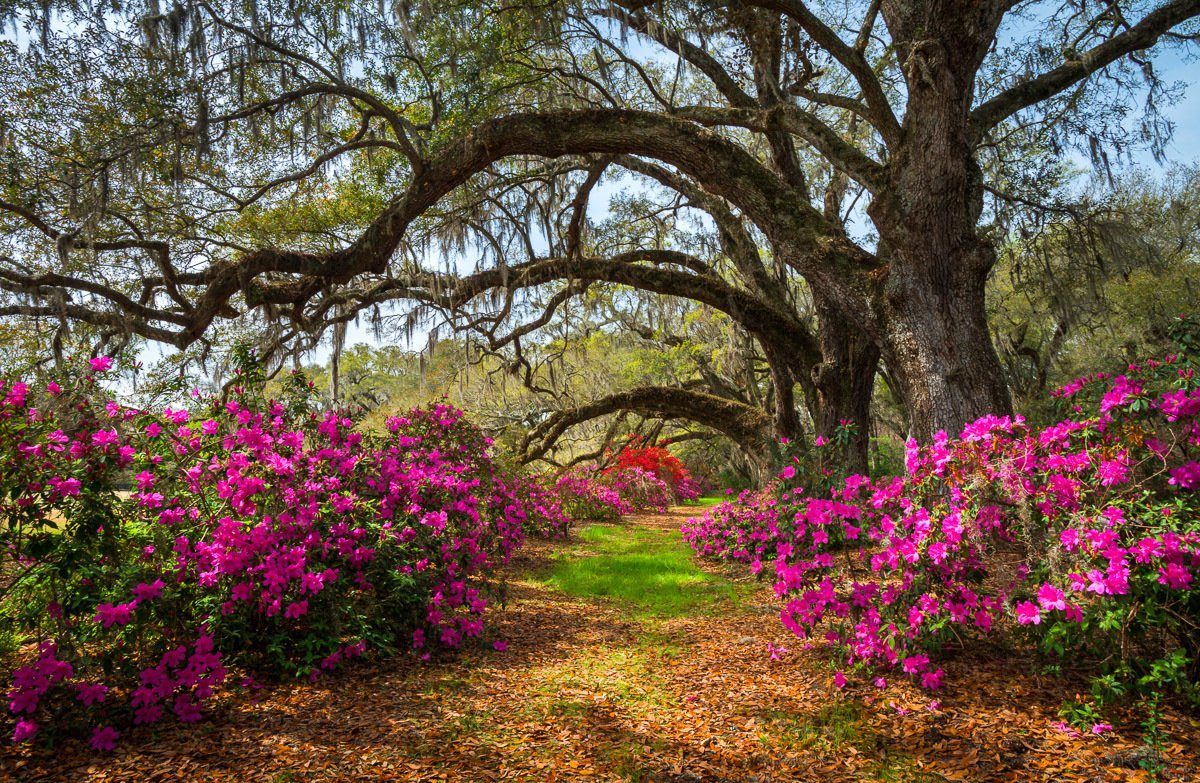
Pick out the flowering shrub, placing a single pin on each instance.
(585, 498)
(253, 532)
(1082, 536)
(590, 494)
(640, 489)
(541, 506)
(660, 463)
(744, 530)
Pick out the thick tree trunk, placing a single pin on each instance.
(936, 341)
(844, 383)
(938, 347)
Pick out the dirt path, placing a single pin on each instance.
(596, 689)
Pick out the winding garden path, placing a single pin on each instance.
(625, 661)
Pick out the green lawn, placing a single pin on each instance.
(707, 502)
(652, 573)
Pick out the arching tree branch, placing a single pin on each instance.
(748, 426)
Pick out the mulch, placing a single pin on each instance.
(586, 693)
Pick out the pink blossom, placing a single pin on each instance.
(1028, 613)
(148, 592)
(1113, 471)
(296, 609)
(89, 693)
(104, 738)
(114, 614)
(1050, 597)
(25, 730)
(1175, 576)
(1186, 476)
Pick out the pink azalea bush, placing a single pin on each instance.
(590, 494)
(542, 506)
(1082, 536)
(251, 533)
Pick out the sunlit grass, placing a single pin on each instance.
(650, 572)
(706, 502)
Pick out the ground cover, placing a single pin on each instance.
(599, 681)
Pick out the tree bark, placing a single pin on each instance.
(936, 341)
(845, 383)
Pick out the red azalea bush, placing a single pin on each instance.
(253, 532)
(1083, 536)
(660, 463)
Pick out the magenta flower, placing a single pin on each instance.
(100, 364)
(148, 592)
(16, 395)
(104, 739)
(89, 694)
(296, 609)
(1028, 613)
(104, 438)
(186, 709)
(25, 730)
(1120, 393)
(1186, 476)
(1050, 597)
(114, 614)
(1112, 471)
(1175, 576)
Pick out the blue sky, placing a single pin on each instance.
(1185, 145)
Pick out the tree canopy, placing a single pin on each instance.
(835, 179)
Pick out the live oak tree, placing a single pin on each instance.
(859, 145)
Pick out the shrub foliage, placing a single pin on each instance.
(1083, 537)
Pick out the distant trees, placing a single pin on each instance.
(1097, 284)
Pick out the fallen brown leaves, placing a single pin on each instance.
(585, 693)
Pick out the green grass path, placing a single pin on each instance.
(648, 571)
